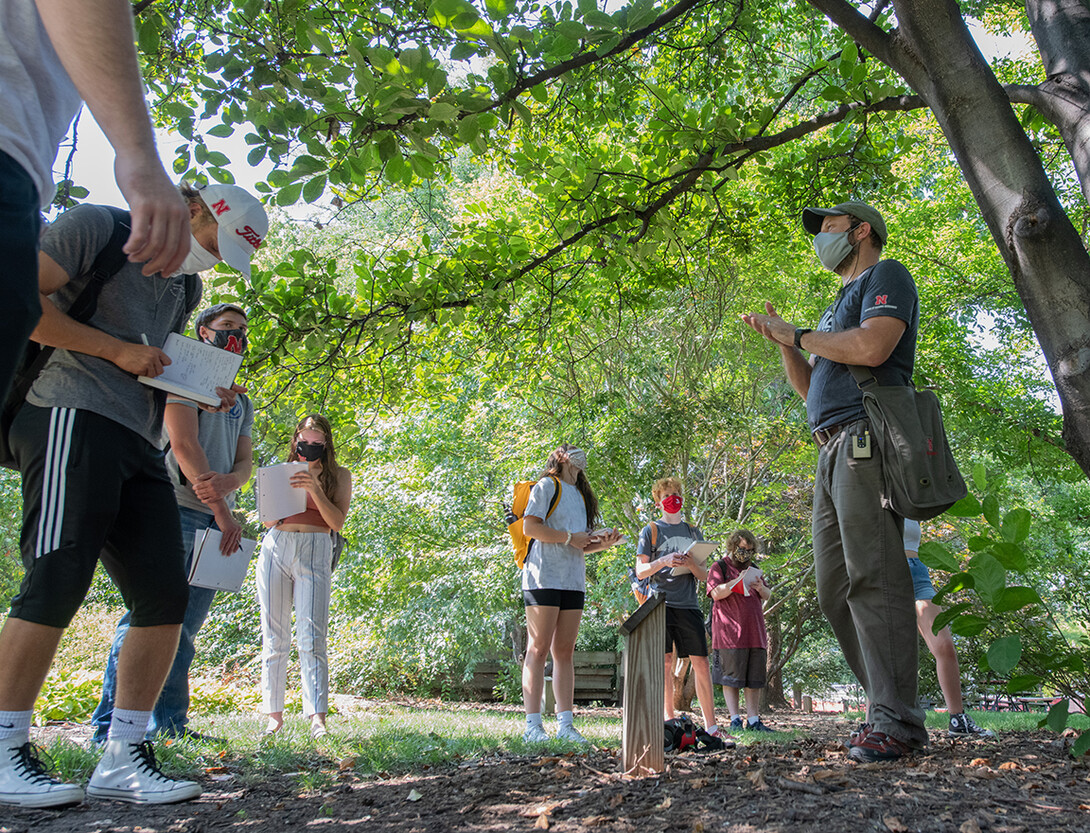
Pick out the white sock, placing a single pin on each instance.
(711, 729)
(534, 720)
(565, 718)
(734, 717)
(129, 725)
(15, 725)
(753, 721)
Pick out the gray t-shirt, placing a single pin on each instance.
(556, 566)
(680, 591)
(217, 435)
(37, 98)
(130, 306)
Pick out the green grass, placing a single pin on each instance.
(387, 739)
(996, 721)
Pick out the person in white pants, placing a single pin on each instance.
(296, 566)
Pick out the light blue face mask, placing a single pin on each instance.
(833, 246)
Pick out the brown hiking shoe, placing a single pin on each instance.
(878, 746)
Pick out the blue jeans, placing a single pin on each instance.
(170, 715)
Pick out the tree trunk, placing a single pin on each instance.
(772, 694)
(935, 53)
(1061, 29)
(684, 686)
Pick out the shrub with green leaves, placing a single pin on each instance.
(992, 560)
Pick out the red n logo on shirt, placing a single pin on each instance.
(881, 300)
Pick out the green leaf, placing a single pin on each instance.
(314, 189)
(978, 543)
(1082, 745)
(498, 9)
(969, 625)
(958, 582)
(442, 111)
(468, 128)
(980, 476)
(949, 615)
(1011, 556)
(289, 195)
(221, 131)
(1057, 716)
(991, 510)
(1023, 682)
(938, 557)
(1015, 598)
(988, 574)
(1004, 654)
(967, 507)
(1016, 524)
(321, 41)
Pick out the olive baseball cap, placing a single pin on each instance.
(811, 217)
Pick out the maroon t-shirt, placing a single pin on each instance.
(738, 621)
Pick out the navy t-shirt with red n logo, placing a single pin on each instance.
(885, 289)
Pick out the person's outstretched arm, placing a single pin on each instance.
(95, 42)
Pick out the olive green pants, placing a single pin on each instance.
(864, 586)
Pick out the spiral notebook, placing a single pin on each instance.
(214, 570)
(276, 497)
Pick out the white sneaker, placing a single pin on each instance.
(535, 734)
(24, 778)
(129, 772)
(571, 734)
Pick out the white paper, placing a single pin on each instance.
(196, 369)
(214, 570)
(276, 498)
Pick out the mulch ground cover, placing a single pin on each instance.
(1022, 781)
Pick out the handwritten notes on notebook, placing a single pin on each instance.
(196, 369)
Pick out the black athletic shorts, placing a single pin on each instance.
(564, 599)
(740, 667)
(93, 489)
(685, 634)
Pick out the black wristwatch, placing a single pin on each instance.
(799, 333)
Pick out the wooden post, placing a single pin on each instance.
(645, 687)
(807, 704)
(796, 696)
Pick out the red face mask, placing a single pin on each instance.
(671, 504)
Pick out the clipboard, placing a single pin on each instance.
(214, 570)
(700, 551)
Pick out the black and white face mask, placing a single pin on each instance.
(233, 341)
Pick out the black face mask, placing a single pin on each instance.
(309, 451)
(233, 341)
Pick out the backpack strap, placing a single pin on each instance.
(107, 263)
(556, 496)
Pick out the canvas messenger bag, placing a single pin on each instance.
(922, 479)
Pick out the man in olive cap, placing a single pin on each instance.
(862, 578)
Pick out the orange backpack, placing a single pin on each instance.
(519, 541)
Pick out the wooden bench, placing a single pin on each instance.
(598, 677)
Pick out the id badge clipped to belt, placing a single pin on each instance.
(861, 446)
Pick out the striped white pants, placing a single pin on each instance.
(295, 567)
